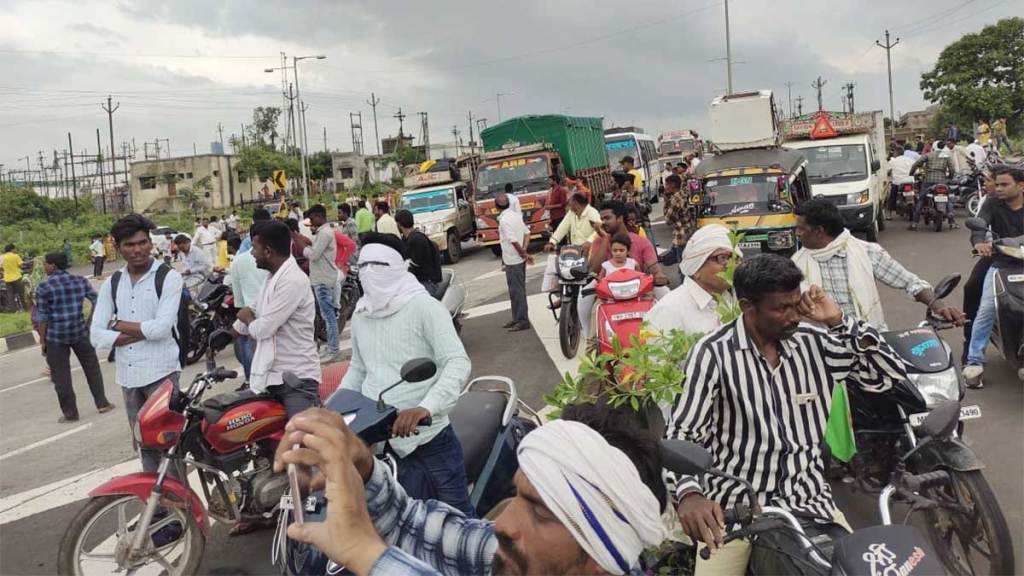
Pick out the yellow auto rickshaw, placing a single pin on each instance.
(753, 192)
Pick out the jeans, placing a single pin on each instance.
(436, 471)
(325, 298)
(984, 320)
(922, 199)
(97, 266)
(58, 357)
(515, 278)
(972, 297)
(134, 400)
(246, 348)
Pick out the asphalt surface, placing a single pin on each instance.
(46, 469)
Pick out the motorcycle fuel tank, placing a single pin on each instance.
(232, 421)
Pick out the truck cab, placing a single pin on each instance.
(846, 164)
(442, 208)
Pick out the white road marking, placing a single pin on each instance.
(60, 493)
(41, 379)
(487, 309)
(501, 272)
(49, 440)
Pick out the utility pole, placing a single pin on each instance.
(74, 183)
(799, 105)
(425, 134)
(110, 109)
(888, 63)
(220, 132)
(373, 101)
(497, 100)
(355, 121)
(470, 116)
(305, 154)
(789, 97)
(728, 49)
(455, 136)
(849, 96)
(325, 139)
(99, 168)
(127, 177)
(291, 119)
(481, 124)
(818, 85)
(401, 119)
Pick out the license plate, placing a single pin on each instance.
(966, 413)
(750, 244)
(1015, 278)
(941, 198)
(527, 205)
(627, 316)
(908, 194)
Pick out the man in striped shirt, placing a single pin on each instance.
(757, 396)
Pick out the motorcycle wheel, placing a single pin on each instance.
(973, 203)
(938, 223)
(349, 296)
(111, 518)
(569, 328)
(198, 341)
(962, 541)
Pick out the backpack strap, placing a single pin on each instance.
(161, 275)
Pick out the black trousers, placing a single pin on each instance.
(97, 266)
(58, 357)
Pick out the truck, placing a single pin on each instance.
(524, 152)
(847, 163)
(744, 121)
(677, 143)
(441, 203)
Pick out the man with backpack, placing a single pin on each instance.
(138, 314)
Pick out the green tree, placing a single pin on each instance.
(260, 161)
(263, 129)
(320, 166)
(193, 196)
(981, 75)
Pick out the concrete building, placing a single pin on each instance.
(155, 183)
(350, 170)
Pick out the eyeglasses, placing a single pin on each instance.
(720, 259)
(364, 265)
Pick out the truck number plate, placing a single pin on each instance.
(941, 198)
(966, 413)
(750, 244)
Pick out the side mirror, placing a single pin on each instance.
(976, 224)
(219, 339)
(941, 421)
(418, 370)
(684, 457)
(876, 165)
(946, 286)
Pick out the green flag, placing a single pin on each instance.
(839, 429)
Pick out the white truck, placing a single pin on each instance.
(846, 163)
(745, 120)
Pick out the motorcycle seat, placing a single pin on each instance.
(476, 420)
(442, 286)
(215, 406)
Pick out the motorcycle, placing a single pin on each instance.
(624, 299)
(453, 296)
(934, 210)
(228, 439)
(212, 308)
(486, 420)
(905, 200)
(894, 440)
(1008, 332)
(967, 186)
(573, 274)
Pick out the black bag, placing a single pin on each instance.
(180, 333)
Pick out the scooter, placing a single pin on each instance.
(486, 420)
(962, 514)
(573, 274)
(624, 299)
(1008, 332)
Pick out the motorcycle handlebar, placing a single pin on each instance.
(222, 373)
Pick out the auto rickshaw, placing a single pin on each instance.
(753, 192)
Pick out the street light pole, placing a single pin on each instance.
(728, 49)
(302, 137)
(888, 63)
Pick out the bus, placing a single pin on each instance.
(634, 142)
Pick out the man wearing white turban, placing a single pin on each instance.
(691, 307)
(588, 500)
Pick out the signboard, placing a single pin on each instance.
(841, 123)
(280, 181)
(427, 179)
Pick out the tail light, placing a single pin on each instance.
(908, 188)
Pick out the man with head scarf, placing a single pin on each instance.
(691, 306)
(588, 500)
(395, 321)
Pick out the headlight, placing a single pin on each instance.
(433, 228)
(858, 197)
(781, 240)
(481, 224)
(203, 306)
(938, 387)
(624, 290)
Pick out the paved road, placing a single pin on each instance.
(46, 469)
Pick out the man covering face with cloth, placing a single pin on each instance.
(583, 505)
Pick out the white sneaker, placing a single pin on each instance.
(972, 376)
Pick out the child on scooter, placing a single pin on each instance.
(620, 246)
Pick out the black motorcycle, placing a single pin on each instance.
(1008, 332)
(961, 514)
(573, 274)
(936, 208)
(212, 308)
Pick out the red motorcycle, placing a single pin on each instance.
(146, 519)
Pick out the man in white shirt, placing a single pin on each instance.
(909, 152)
(205, 239)
(977, 153)
(691, 307)
(281, 323)
(515, 237)
(900, 166)
(579, 224)
(98, 254)
(323, 275)
(385, 221)
(692, 161)
(247, 282)
(231, 221)
(138, 321)
(197, 264)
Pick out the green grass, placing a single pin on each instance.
(13, 323)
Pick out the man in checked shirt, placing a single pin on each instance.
(757, 396)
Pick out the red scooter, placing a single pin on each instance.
(158, 520)
(624, 298)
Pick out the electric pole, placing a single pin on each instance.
(425, 134)
(74, 183)
(888, 63)
(497, 100)
(799, 105)
(99, 168)
(325, 139)
(849, 96)
(789, 97)
(818, 85)
(110, 109)
(401, 119)
(728, 49)
(470, 116)
(291, 120)
(455, 136)
(373, 101)
(220, 133)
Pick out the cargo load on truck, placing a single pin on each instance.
(747, 120)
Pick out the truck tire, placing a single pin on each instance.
(454, 251)
(880, 217)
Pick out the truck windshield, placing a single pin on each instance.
(619, 148)
(840, 163)
(433, 200)
(524, 174)
(740, 194)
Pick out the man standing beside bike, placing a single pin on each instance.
(938, 169)
(578, 225)
(758, 395)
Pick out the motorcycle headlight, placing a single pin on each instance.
(781, 240)
(858, 197)
(624, 290)
(938, 387)
(204, 306)
(481, 224)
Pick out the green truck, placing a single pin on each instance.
(524, 152)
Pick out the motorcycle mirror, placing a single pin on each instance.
(946, 286)
(219, 339)
(684, 457)
(976, 224)
(876, 165)
(418, 370)
(941, 421)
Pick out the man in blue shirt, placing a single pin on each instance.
(62, 328)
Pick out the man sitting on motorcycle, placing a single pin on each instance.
(938, 169)
(589, 495)
(847, 267)
(1005, 216)
(758, 395)
(397, 320)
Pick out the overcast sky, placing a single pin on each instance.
(180, 67)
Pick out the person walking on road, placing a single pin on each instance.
(98, 254)
(323, 275)
(385, 222)
(678, 214)
(556, 201)
(364, 219)
(347, 223)
(136, 314)
(14, 279)
(63, 329)
(205, 239)
(515, 237)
